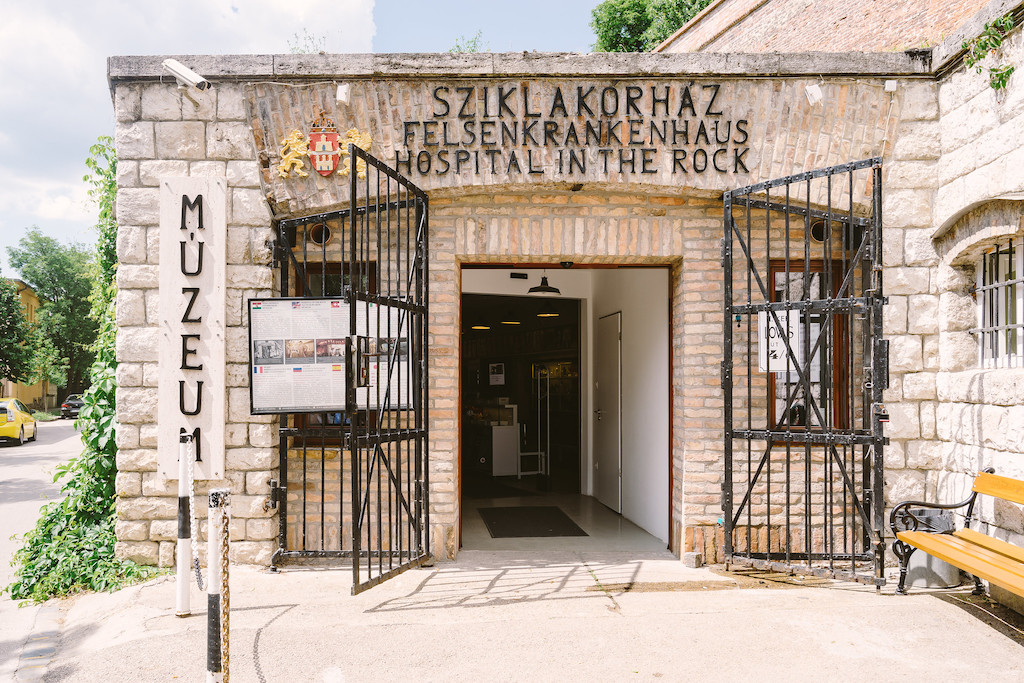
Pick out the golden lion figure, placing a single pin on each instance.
(293, 148)
(360, 140)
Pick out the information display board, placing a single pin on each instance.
(299, 352)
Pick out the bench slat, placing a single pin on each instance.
(993, 544)
(977, 560)
(966, 551)
(1000, 487)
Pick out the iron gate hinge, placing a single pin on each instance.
(882, 359)
(277, 494)
(726, 373)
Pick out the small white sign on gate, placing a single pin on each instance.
(772, 355)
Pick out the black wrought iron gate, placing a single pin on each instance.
(804, 369)
(355, 482)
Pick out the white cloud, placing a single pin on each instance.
(39, 200)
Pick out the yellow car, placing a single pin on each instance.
(16, 421)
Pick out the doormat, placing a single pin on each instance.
(532, 521)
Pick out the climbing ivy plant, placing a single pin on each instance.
(71, 547)
(980, 47)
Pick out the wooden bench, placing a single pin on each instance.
(982, 556)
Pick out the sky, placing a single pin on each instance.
(55, 100)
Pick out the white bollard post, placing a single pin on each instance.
(183, 562)
(217, 588)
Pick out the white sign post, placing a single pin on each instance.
(193, 238)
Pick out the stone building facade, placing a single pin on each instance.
(613, 160)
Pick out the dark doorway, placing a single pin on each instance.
(520, 389)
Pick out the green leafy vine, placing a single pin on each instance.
(990, 40)
(71, 547)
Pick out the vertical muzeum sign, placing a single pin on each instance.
(193, 237)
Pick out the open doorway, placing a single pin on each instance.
(533, 437)
(520, 394)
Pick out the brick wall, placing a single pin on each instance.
(765, 128)
(822, 25)
(625, 228)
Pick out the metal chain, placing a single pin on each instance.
(225, 594)
(192, 515)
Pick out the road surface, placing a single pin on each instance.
(26, 484)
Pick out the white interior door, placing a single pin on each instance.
(607, 411)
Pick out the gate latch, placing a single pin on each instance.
(276, 496)
(363, 356)
(881, 414)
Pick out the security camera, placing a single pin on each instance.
(184, 75)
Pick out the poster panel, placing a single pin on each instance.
(299, 347)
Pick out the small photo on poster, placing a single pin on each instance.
(496, 371)
(268, 352)
(330, 350)
(300, 351)
(387, 345)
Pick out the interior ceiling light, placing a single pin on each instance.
(547, 311)
(508, 316)
(544, 287)
(481, 327)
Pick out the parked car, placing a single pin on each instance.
(71, 405)
(16, 421)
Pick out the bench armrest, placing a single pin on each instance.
(901, 519)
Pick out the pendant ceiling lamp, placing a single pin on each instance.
(544, 287)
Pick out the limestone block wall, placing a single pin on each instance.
(910, 320)
(950, 417)
(159, 134)
(979, 412)
(980, 136)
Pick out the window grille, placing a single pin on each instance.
(1000, 297)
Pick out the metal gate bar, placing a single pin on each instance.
(361, 488)
(802, 265)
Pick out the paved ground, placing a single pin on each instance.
(26, 484)
(494, 616)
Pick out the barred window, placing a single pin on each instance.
(1000, 297)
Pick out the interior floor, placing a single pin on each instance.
(606, 530)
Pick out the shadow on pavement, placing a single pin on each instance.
(495, 583)
(21, 490)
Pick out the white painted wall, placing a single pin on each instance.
(574, 284)
(642, 296)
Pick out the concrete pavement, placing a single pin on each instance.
(26, 484)
(502, 616)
